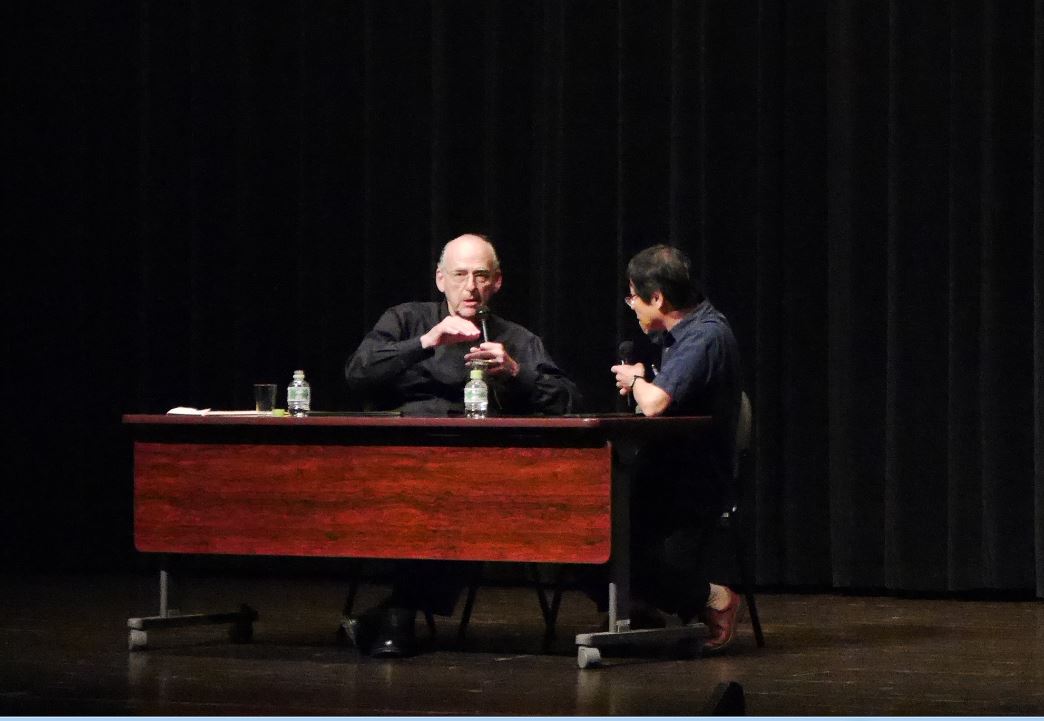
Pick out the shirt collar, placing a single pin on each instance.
(685, 324)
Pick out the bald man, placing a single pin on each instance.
(414, 358)
(414, 361)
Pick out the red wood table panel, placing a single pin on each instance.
(382, 501)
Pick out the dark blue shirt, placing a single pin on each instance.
(700, 371)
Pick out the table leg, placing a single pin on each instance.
(241, 622)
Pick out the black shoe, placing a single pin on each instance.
(396, 634)
(381, 632)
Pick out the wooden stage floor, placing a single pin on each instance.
(63, 650)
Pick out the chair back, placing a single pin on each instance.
(743, 432)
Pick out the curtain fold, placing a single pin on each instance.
(1038, 291)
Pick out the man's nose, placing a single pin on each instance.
(470, 283)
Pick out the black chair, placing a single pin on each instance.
(729, 521)
(548, 608)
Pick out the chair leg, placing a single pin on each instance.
(349, 601)
(534, 577)
(755, 621)
(548, 610)
(740, 547)
(469, 606)
(550, 629)
(344, 629)
(353, 587)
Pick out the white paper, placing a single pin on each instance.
(187, 411)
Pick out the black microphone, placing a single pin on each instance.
(626, 352)
(483, 313)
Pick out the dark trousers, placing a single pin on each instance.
(429, 585)
(674, 513)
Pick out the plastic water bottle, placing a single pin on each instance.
(476, 395)
(299, 396)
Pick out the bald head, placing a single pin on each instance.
(470, 242)
(468, 274)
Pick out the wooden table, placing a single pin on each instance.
(520, 489)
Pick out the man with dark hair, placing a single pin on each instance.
(680, 489)
(414, 360)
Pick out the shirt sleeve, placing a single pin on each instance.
(540, 386)
(689, 368)
(385, 353)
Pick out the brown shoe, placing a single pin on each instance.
(722, 624)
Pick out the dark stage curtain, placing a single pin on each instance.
(211, 194)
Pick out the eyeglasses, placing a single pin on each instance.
(629, 300)
(482, 277)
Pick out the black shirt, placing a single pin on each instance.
(390, 369)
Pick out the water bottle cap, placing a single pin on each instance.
(476, 374)
(298, 374)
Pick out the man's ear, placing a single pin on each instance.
(498, 281)
(440, 280)
(657, 300)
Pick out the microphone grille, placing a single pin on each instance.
(626, 350)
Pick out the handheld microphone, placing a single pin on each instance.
(483, 313)
(626, 353)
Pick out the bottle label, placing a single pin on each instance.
(475, 395)
(298, 394)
